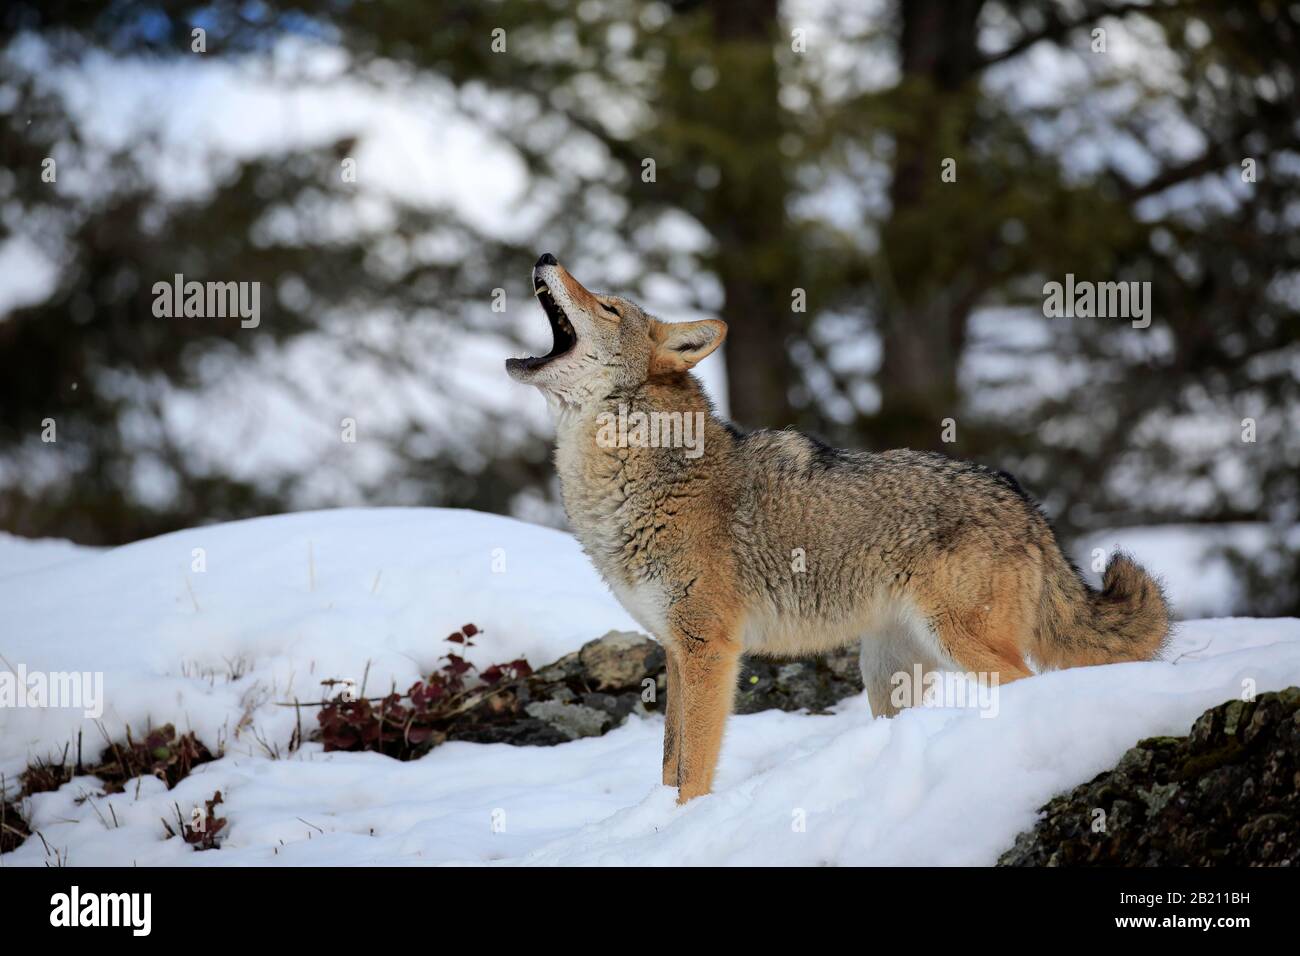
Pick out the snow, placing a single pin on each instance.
(287, 601)
(284, 603)
(19, 555)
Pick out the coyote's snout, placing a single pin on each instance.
(773, 543)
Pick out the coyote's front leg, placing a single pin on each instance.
(706, 666)
(672, 718)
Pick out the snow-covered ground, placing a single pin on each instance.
(285, 602)
(18, 554)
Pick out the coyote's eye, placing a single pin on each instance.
(609, 308)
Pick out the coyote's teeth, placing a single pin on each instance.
(540, 289)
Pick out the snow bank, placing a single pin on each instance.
(287, 601)
(282, 604)
(20, 555)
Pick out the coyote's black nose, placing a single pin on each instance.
(547, 260)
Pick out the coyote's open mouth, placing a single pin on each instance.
(561, 329)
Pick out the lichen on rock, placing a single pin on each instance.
(1227, 794)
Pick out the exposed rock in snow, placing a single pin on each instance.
(1226, 794)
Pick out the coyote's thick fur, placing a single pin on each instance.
(773, 543)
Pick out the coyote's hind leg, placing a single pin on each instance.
(889, 658)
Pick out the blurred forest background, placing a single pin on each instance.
(797, 151)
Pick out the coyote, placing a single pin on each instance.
(772, 543)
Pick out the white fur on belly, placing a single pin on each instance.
(645, 601)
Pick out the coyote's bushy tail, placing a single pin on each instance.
(1127, 620)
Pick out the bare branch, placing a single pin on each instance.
(1057, 26)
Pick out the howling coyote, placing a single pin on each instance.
(773, 543)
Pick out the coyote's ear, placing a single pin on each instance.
(679, 345)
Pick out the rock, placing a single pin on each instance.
(1226, 794)
(583, 694)
(593, 690)
(572, 720)
(621, 660)
(813, 684)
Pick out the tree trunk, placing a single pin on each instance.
(747, 214)
(923, 328)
